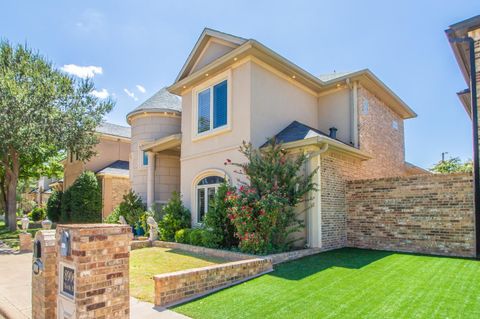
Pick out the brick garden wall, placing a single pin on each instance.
(425, 214)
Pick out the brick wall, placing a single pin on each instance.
(379, 138)
(425, 214)
(100, 257)
(183, 285)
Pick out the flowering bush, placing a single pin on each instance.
(263, 209)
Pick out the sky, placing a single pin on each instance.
(132, 49)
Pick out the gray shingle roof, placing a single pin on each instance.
(114, 129)
(297, 131)
(160, 101)
(120, 168)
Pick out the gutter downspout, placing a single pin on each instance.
(353, 111)
(476, 165)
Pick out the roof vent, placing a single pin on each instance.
(333, 132)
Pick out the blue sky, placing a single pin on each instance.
(145, 43)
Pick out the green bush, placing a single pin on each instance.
(37, 214)
(83, 200)
(217, 221)
(176, 217)
(132, 207)
(65, 211)
(196, 237)
(210, 239)
(182, 236)
(54, 206)
(113, 217)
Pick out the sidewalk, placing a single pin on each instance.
(16, 287)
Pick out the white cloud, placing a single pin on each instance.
(82, 71)
(102, 94)
(130, 94)
(141, 88)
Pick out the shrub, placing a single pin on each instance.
(54, 206)
(113, 218)
(182, 236)
(85, 199)
(37, 214)
(196, 237)
(210, 239)
(132, 208)
(217, 221)
(66, 210)
(176, 217)
(263, 211)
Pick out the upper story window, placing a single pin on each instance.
(212, 106)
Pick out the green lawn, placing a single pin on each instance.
(11, 238)
(147, 262)
(352, 283)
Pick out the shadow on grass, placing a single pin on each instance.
(351, 258)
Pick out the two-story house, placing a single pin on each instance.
(350, 125)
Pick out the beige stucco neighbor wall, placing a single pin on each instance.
(146, 128)
(379, 138)
(108, 151)
(334, 111)
(425, 214)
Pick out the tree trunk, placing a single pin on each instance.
(12, 172)
(3, 196)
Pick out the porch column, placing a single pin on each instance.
(314, 217)
(151, 180)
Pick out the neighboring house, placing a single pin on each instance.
(110, 164)
(350, 125)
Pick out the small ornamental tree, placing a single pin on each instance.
(452, 165)
(175, 217)
(85, 199)
(132, 208)
(54, 206)
(263, 210)
(217, 221)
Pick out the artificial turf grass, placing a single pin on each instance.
(352, 283)
(147, 262)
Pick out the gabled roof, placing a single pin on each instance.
(114, 130)
(296, 131)
(297, 135)
(162, 101)
(313, 84)
(206, 35)
(117, 168)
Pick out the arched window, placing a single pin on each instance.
(206, 189)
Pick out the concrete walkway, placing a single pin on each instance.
(16, 287)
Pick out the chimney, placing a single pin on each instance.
(333, 132)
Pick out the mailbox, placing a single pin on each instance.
(37, 249)
(65, 243)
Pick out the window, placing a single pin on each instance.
(206, 189)
(212, 107)
(144, 158)
(395, 125)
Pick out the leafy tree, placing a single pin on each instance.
(85, 199)
(175, 217)
(453, 165)
(54, 206)
(263, 211)
(217, 221)
(42, 111)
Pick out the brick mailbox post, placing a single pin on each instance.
(44, 286)
(92, 271)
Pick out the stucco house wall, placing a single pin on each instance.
(334, 111)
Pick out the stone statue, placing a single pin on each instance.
(153, 228)
(25, 223)
(122, 220)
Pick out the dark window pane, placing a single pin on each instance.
(211, 180)
(201, 204)
(211, 196)
(220, 104)
(204, 111)
(145, 158)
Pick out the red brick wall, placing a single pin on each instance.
(425, 214)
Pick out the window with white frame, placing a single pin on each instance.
(205, 191)
(143, 158)
(212, 107)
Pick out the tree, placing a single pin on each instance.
(263, 210)
(84, 200)
(175, 217)
(54, 206)
(452, 165)
(42, 111)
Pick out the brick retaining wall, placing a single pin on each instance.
(183, 285)
(430, 214)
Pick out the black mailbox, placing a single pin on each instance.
(37, 249)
